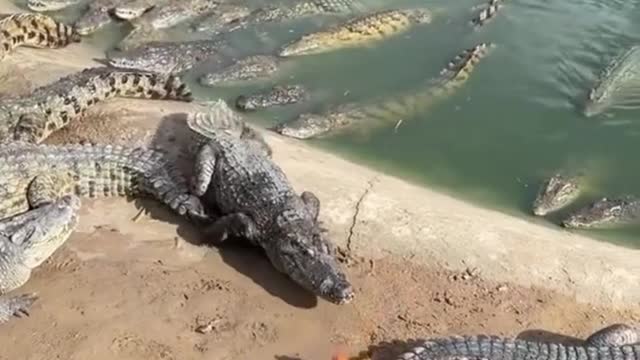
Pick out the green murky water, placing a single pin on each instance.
(516, 121)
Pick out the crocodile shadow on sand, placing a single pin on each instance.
(174, 136)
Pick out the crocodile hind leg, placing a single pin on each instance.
(615, 335)
(47, 188)
(26, 241)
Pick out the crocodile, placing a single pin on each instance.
(555, 193)
(276, 95)
(617, 86)
(614, 342)
(170, 57)
(33, 117)
(255, 201)
(487, 14)
(41, 185)
(384, 111)
(605, 212)
(98, 14)
(357, 32)
(50, 5)
(220, 18)
(34, 30)
(250, 68)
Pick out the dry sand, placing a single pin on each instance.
(422, 263)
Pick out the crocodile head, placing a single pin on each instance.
(306, 126)
(132, 9)
(49, 5)
(554, 194)
(598, 100)
(250, 68)
(278, 95)
(307, 257)
(602, 212)
(94, 19)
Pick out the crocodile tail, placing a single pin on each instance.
(151, 85)
(35, 30)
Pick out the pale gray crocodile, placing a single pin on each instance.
(220, 18)
(605, 212)
(277, 95)
(556, 192)
(615, 342)
(249, 68)
(33, 117)
(98, 14)
(40, 185)
(171, 57)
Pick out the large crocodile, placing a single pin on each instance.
(33, 117)
(615, 342)
(250, 68)
(358, 32)
(276, 95)
(34, 30)
(170, 57)
(382, 112)
(605, 212)
(256, 202)
(39, 185)
(555, 193)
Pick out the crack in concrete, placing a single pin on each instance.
(354, 219)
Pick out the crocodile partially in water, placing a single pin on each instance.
(555, 193)
(357, 32)
(487, 14)
(33, 117)
(382, 112)
(250, 68)
(605, 212)
(34, 30)
(276, 95)
(220, 18)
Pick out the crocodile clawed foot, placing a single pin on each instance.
(17, 306)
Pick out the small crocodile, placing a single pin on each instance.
(257, 202)
(50, 5)
(250, 68)
(487, 14)
(555, 193)
(395, 109)
(33, 117)
(40, 185)
(170, 57)
(605, 212)
(98, 14)
(277, 95)
(615, 342)
(357, 32)
(220, 18)
(34, 30)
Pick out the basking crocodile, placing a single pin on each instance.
(256, 202)
(487, 14)
(34, 30)
(33, 117)
(555, 193)
(357, 32)
(605, 212)
(250, 68)
(276, 95)
(220, 18)
(39, 185)
(170, 57)
(615, 342)
(50, 5)
(98, 14)
(382, 112)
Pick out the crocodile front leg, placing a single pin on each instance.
(312, 202)
(614, 335)
(236, 225)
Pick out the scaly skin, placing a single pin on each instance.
(34, 30)
(256, 202)
(169, 57)
(616, 342)
(33, 117)
(39, 185)
(387, 111)
(277, 95)
(97, 16)
(250, 68)
(358, 32)
(50, 5)
(164, 14)
(133, 9)
(220, 18)
(555, 193)
(487, 14)
(605, 212)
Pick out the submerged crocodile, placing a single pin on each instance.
(387, 111)
(555, 193)
(615, 342)
(360, 31)
(33, 117)
(276, 95)
(618, 85)
(487, 14)
(257, 202)
(605, 212)
(34, 30)
(40, 185)
(50, 5)
(250, 68)
(170, 57)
